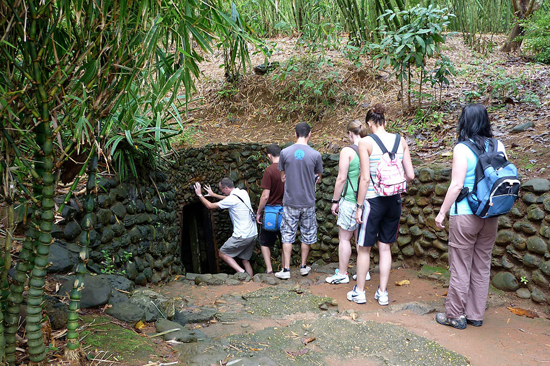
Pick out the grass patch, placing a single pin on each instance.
(435, 273)
(109, 337)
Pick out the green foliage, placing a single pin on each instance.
(110, 262)
(407, 48)
(308, 85)
(536, 38)
(444, 68)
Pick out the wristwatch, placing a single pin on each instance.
(360, 206)
(335, 201)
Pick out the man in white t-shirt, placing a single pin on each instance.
(241, 243)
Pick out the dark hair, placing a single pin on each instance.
(376, 115)
(274, 150)
(302, 129)
(358, 128)
(474, 124)
(226, 182)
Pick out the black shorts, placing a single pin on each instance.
(381, 217)
(268, 238)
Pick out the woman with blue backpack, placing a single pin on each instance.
(344, 200)
(472, 232)
(384, 176)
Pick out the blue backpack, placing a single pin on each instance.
(273, 215)
(496, 185)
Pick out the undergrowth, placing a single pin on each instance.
(305, 88)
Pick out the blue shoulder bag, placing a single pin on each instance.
(273, 215)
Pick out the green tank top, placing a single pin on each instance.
(353, 177)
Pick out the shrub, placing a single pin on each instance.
(537, 36)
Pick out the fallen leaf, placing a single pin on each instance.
(301, 352)
(307, 340)
(523, 312)
(140, 325)
(403, 283)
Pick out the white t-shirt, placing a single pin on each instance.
(243, 225)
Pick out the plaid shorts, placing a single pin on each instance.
(346, 215)
(307, 219)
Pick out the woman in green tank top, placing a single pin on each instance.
(344, 199)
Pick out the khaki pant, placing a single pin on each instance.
(471, 241)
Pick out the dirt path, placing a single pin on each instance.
(504, 338)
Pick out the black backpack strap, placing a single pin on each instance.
(472, 147)
(355, 148)
(396, 144)
(379, 142)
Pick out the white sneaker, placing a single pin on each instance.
(338, 278)
(283, 274)
(357, 296)
(382, 297)
(304, 270)
(368, 276)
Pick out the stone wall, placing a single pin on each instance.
(136, 233)
(521, 258)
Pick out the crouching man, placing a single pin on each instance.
(241, 243)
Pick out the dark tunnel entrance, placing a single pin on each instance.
(198, 246)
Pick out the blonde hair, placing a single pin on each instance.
(357, 127)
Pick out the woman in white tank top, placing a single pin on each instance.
(379, 215)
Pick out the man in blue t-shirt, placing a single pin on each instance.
(301, 167)
(241, 243)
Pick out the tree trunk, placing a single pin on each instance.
(522, 9)
(513, 44)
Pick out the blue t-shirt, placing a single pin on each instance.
(300, 164)
(463, 207)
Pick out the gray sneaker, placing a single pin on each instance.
(283, 274)
(357, 296)
(304, 270)
(338, 278)
(382, 297)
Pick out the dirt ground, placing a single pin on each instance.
(504, 338)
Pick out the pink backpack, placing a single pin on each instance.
(389, 172)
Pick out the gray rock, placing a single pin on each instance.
(119, 210)
(534, 213)
(96, 291)
(536, 244)
(523, 293)
(539, 279)
(126, 312)
(72, 230)
(505, 281)
(117, 296)
(181, 334)
(155, 305)
(537, 295)
(545, 268)
(191, 317)
(505, 237)
(232, 282)
(61, 259)
(191, 276)
(120, 282)
(537, 185)
(523, 127)
(419, 308)
(531, 260)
